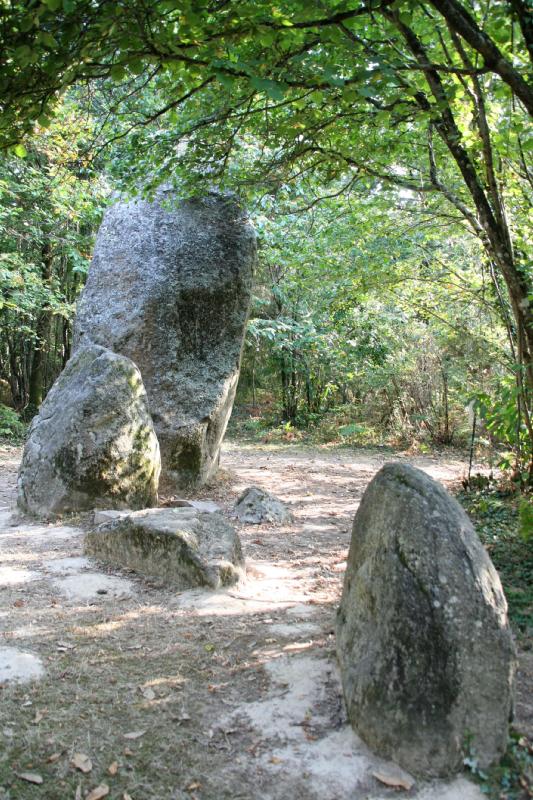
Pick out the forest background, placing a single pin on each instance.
(382, 150)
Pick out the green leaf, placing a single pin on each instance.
(20, 150)
(228, 81)
(27, 23)
(117, 73)
(136, 65)
(47, 39)
(332, 78)
(267, 37)
(276, 91)
(23, 54)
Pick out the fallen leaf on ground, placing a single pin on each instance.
(30, 777)
(276, 760)
(127, 796)
(128, 752)
(38, 717)
(18, 603)
(98, 792)
(148, 693)
(194, 785)
(77, 796)
(396, 781)
(53, 758)
(113, 768)
(134, 734)
(82, 762)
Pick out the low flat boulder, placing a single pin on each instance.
(93, 443)
(255, 506)
(186, 547)
(426, 654)
(209, 506)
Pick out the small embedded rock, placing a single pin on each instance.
(256, 506)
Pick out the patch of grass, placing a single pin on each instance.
(496, 517)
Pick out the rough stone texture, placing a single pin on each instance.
(209, 506)
(93, 442)
(169, 287)
(185, 547)
(425, 650)
(255, 506)
(19, 667)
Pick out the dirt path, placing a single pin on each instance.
(207, 695)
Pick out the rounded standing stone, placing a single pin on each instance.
(426, 654)
(92, 444)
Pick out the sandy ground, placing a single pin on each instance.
(206, 695)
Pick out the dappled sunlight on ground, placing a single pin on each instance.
(234, 693)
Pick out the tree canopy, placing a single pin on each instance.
(429, 101)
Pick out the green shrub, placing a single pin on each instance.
(510, 779)
(11, 426)
(525, 517)
(500, 521)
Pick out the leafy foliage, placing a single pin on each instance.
(372, 322)
(49, 205)
(11, 426)
(511, 778)
(526, 519)
(496, 518)
(427, 103)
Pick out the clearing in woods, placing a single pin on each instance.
(149, 694)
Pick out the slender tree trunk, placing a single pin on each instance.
(446, 408)
(42, 336)
(67, 341)
(491, 224)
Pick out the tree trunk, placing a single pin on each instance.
(42, 336)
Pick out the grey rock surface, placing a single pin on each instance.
(106, 515)
(169, 287)
(209, 506)
(185, 547)
(426, 654)
(92, 442)
(255, 506)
